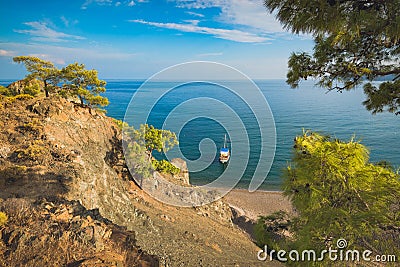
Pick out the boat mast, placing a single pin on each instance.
(225, 141)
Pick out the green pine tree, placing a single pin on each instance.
(354, 41)
(84, 84)
(338, 193)
(42, 70)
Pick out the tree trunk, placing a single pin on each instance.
(81, 99)
(45, 89)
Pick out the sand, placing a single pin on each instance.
(258, 203)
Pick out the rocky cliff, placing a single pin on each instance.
(53, 151)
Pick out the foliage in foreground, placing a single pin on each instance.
(338, 193)
(30, 87)
(354, 41)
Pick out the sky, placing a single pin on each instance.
(134, 39)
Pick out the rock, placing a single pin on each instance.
(218, 210)
(29, 241)
(18, 87)
(4, 151)
(184, 173)
(64, 216)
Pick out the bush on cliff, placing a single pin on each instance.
(164, 166)
(3, 218)
(4, 91)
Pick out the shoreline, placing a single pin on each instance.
(258, 190)
(258, 203)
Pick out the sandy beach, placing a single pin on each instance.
(258, 203)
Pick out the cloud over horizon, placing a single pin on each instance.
(227, 34)
(42, 33)
(247, 13)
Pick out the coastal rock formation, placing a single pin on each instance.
(56, 153)
(64, 233)
(183, 176)
(20, 86)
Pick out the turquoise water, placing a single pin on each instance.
(337, 114)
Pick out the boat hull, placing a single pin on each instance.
(223, 160)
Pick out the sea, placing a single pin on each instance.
(204, 113)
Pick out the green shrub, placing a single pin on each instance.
(33, 126)
(5, 91)
(33, 152)
(33, 89)
(272, 230)
(20, 97)
(3, 218)
(121, 124)
(164, 166)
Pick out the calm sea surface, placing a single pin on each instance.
(337, 114)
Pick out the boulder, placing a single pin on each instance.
(18, 87)
(184, 174)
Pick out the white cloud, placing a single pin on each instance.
(195, 14)
(192, 21)
(41, 32)
(210, 54)
(62, 54)
(6, 53)
(52, 58)
(99, 2)
(248, 13)
(232, 35)
(129, 3)
(68, 22)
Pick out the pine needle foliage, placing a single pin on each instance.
(356, 42)
(338, 193)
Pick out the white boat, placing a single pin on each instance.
(224, 153)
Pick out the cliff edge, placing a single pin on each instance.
(55, 155)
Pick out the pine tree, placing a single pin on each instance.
(338, 193)
(354, 41)
(84, 84)
(139, 146)
(42, 70)
(155, 139)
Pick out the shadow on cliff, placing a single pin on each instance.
(19, 183)
(243, 223)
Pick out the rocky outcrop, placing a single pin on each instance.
(19, 87)
(183, 176)
(218, 210)
(52, 148)
(56, 148)
(64, 233)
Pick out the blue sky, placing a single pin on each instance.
(134, 39)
